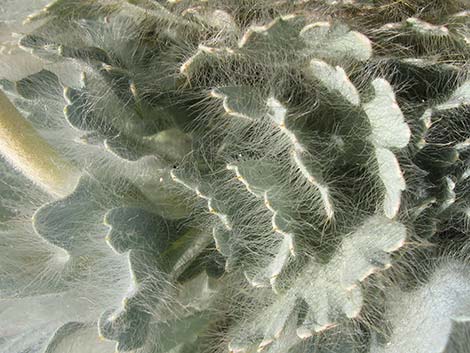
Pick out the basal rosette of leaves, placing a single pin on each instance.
(237, 176)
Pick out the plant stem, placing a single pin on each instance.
(26, 150)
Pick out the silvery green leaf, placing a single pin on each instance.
(335, 79)
(389, 128)
(241, 102)
(425, 320)
(76, 337)
(392, 178)
(336, 42)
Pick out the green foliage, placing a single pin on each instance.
(256, 176)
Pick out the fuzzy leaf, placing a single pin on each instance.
(203, 191)
(278, 114)
(40, 46)
(119, 81)
(77, 111)
(143, 234)
(276, 265)
(159, 190)
(279, 35)
(260, 178)
(336, 42)
(459, 339)
(128, 326)
(76, 337)
(331, 291)
(335, 79)
(311, 170)
(240, 102)
(461, 96)
(137, 229)
(392, 178)
(175, 333)
(205, 56)
(425, 28)
(171, 144)
(86, 54)
(422, 320)
(72, 9)
(43, 84)
(286, 338)
(197, 294)
(70, 222)
(224, 245)
(389, 129)
(257, 176)
(164, 148)
(44, 310)
(74, 224)
(185, 250)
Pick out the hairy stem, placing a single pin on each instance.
(27, 151)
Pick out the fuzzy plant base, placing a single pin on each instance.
(242, 176)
